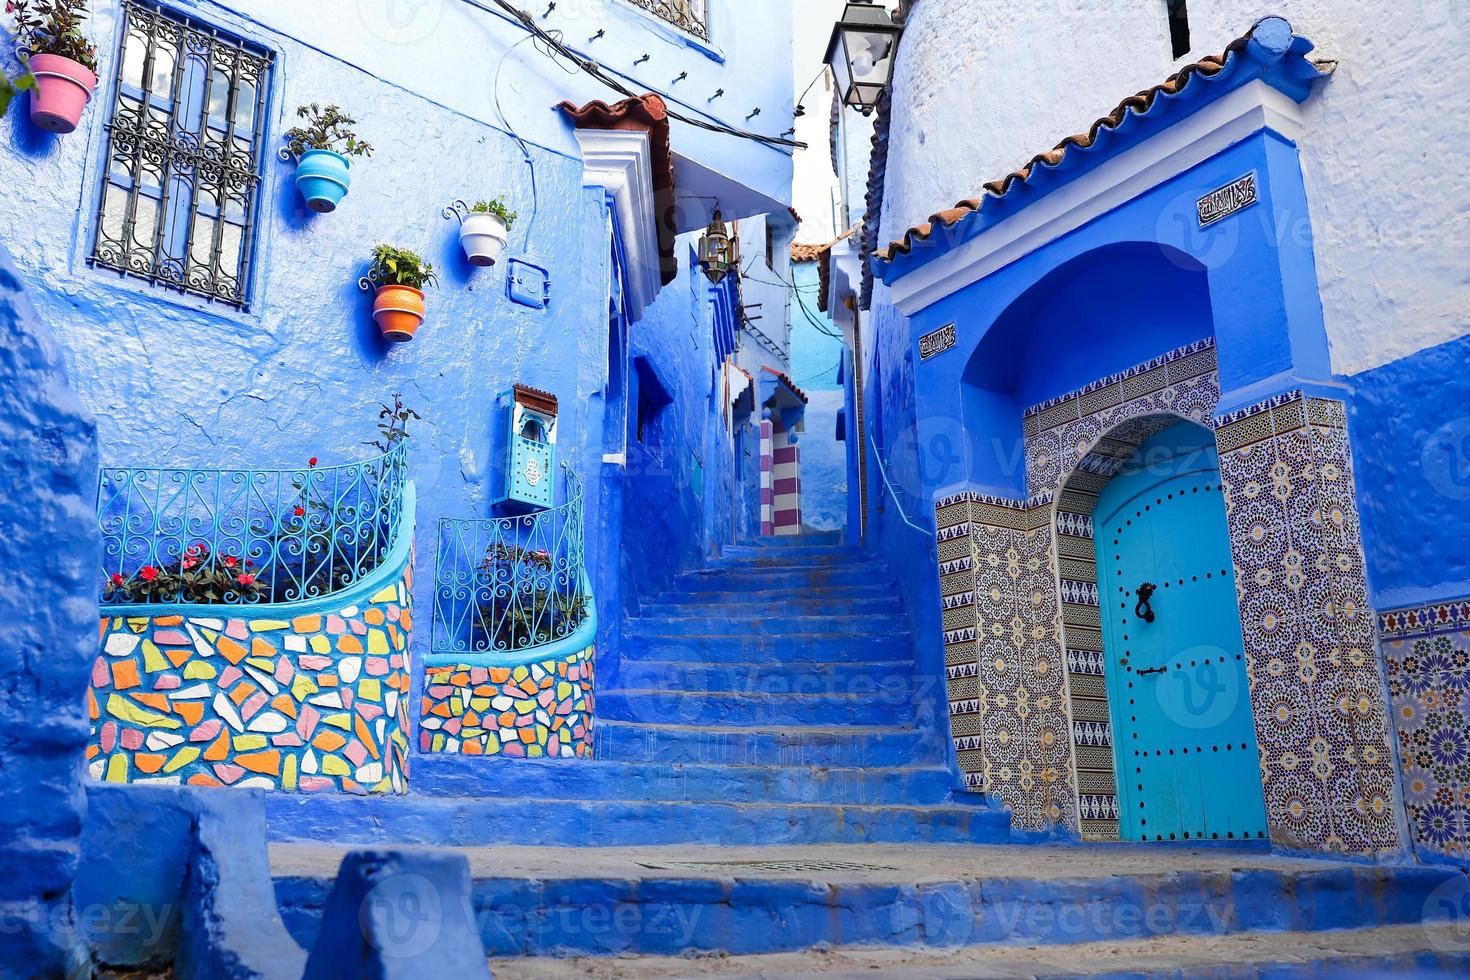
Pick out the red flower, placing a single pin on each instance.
(148, 573)
(300, 511)
(189, 563)
(231, 561)
(117, 580)
(311, 462)
(246, 579)
(249, 563)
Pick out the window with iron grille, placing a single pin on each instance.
(184, 153)
(687, 15)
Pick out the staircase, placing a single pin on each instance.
(763, 787)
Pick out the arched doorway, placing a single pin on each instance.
(1183, 732)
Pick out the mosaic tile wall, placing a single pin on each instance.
(541, 710)
(315, 703)
(1317, 689)
(1427, 653)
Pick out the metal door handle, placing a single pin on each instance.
(1144, 610)
(1152, 670)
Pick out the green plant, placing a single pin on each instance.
(525, 606)
(326, 129)
(11, 87)
(53, 27)
(400, 267)
(197, 576)
(498, 208)
(393, 424)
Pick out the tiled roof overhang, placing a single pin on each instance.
(646, 114)
(1270, 52)
(822, 255)
(783, 379)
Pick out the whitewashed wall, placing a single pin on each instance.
(986, 84)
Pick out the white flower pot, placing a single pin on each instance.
(483, 237)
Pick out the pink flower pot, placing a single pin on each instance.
(62, 89)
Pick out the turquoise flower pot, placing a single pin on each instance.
(323, 178)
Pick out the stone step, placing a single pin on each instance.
(834, 594)
(833, 540)
(886, 679)
(761, 900)
(380, 821)
(769, 745)
(798, 561)
(747, 579)
(790, 604)
(653, 642)
(774, 623)
(559, 779)
(743, 708)
(1421, 952)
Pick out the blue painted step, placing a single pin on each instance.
(754, 708)
(775, 623)
(842, 596)
(466, 822)
(777, 578)
(769, 745)
(800, 605)
(459, 776)
(794, 648)
(886, 679)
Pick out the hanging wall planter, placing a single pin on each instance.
(484, 229)
(398, 277)
(323, 149)
(62, 62)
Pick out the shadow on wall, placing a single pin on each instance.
(51, 550)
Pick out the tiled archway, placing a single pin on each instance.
(1018, 605)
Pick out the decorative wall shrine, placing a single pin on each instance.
(539, 710)
(312, 703)
(1023, 645)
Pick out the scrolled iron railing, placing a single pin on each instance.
(687, 15)
(508, 585)
(247, 536)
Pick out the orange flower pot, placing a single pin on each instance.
(398, 310)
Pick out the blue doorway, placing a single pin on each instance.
(1183, 733)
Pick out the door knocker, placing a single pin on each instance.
(1143, 610)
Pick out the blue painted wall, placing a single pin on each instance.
(50, 550)
(175, 381)
(816, 356)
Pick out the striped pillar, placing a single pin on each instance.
(768, 514)
(785, 484)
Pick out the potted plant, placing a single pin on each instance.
(61, 62)
(483, 232)
(400, 277)
(323, 147)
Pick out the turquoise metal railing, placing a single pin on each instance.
(512, 584)
(247, 536)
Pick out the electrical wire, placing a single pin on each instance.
(525, 149)
(590, 67)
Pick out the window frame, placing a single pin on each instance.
(178, 217)
(646, 8)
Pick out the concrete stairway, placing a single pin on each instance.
(767, 698)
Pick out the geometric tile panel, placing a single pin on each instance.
(1317, 690)
(313, 703)
(539, 710)
(1427, 653)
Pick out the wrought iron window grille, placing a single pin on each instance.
(688, 16)
(301, 534)
(179, 202)
(512, 584)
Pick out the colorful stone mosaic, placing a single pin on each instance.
(539, 710)
(1427, 654)
(1316, 687)
(312, 703)
(1325, 755)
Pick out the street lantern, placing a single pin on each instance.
(715, 254)
(861, 54)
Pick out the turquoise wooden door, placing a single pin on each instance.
(1185, 742)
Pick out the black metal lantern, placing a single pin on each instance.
(715, 254)
(861, 54)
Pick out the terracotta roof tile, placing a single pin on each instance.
(647, 114)
(788, 383)
(1136, 104)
